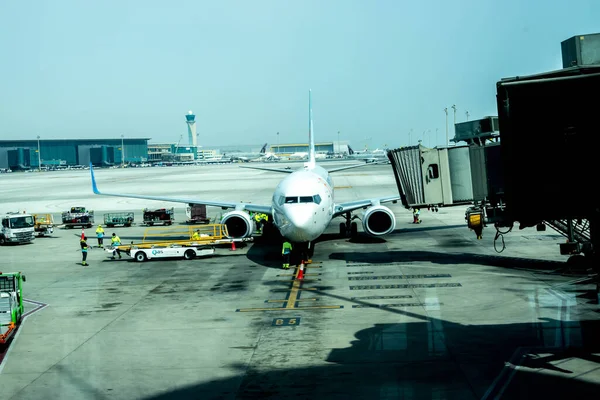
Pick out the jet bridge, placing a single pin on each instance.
(432, 178)
(547, 160)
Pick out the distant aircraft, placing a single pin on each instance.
(377, 155)
(302, 205)
(246, 157)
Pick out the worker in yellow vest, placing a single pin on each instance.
(286, 252)
(100, 236)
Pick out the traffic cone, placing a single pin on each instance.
(232, 245)
(301, 272)
(82, 233)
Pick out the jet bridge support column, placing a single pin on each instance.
(595, 253)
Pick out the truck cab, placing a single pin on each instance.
(17, 228)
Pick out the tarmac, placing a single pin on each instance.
(428, 312)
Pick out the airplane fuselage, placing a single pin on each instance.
(302, 204)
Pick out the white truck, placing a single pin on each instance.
(17, 228)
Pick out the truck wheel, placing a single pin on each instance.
(189, 254)
(2, 241)
(140, 256)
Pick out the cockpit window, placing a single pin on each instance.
(306, 199)
(281, 200)
(317, 199)
(289, 200)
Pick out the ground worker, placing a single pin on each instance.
(286, 252)
(115, 241)
(100, 235)
(257, 219)
(84, 249)
(196, 235)
(416, 213)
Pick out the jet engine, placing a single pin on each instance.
(378, 221)
(239, 224)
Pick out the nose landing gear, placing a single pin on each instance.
(348, 228)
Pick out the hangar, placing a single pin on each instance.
(27, 154)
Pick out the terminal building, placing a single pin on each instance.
(29, 154)
(323, 147)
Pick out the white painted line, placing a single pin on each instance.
(14, 339)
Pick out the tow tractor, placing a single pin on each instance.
(43, 224)
(11, 304)
(187, 243)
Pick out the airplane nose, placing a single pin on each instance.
(301, 219)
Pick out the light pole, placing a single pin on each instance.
(39, 155)
(446, 111)
(339, 149)
(436, 135)
(454, 126)
(467, 114)
(277, 143)
(122, 152)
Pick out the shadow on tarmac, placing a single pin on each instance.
(431, 359)
(399, 256)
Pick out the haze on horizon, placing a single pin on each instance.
(377, 70)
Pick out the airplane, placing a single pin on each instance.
(244, 156)
(302, 205)
(375, 156)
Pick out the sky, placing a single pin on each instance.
(380, 72)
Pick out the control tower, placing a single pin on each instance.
(190, 119)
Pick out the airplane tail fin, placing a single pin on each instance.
(311, 138)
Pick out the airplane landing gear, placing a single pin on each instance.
(348, 228)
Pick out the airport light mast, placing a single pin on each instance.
(454, 108)
(122, 152)
(39, 155)
(447, 140)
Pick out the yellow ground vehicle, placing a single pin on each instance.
(43, 224)
(177, 242)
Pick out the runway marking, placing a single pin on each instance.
(396, 305)
(383, 277)
(342, 187)
(286, 321)
(374, 265)
(294, 293)
(359, 273)
(406, 286)
(293, 298)
(285, 300)
(289, 309)
(400, 296)
(8, 349)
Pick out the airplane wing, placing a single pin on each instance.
(222, 204)
(289, 171)
(284, 170)
(348, 167)
(343, 208)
